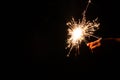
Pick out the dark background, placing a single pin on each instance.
(46, 31)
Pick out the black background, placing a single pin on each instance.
(45, 33)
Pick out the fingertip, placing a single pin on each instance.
(88, 44)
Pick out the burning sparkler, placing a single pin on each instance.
(80, 30)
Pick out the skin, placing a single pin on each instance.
(97, 43)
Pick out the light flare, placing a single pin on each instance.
(76, 34)
(78, 31)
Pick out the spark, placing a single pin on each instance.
(79, 30)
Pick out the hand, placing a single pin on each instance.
(94, 44)
(98, 43)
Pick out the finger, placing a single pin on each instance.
(88, 44)
(95, 42)
(95, 46)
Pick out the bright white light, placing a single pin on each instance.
(79, 30)
(77, 34)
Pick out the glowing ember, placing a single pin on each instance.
(78, 31)
(76, 34)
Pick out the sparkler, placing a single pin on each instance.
(78, 31)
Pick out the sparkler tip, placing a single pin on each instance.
(80, 31)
